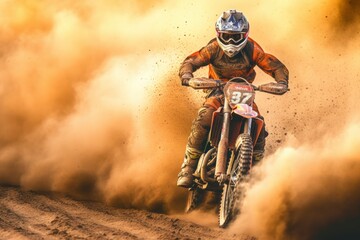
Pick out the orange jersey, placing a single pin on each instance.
(241, 65)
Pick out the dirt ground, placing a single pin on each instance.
(32, 215)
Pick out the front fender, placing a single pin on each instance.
(245, 111)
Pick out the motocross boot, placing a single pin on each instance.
(185, 177)
(259, 148)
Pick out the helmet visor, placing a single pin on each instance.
(232, 38)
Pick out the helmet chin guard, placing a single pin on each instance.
(232, 32)
(230, 49)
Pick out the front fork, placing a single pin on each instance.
(223, 146)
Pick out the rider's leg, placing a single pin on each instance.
(196, 142)
(259, 148)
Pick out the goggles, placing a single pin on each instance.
(232, 37)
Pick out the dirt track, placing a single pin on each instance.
(29, 215)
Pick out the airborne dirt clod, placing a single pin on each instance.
(31, 215)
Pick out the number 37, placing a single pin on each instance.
(240, 97)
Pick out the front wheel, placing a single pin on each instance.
(238, 171)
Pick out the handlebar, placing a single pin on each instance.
(208, 83)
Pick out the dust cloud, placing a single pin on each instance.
(306, 192)
(348, 14)
(91, 106)
(87, 106)
(307, 187)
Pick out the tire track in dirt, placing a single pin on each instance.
(32, 215)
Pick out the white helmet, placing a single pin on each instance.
(232, 32)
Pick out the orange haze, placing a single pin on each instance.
(90, 105)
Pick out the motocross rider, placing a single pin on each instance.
(231, 54)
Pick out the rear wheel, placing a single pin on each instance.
(195, 197)
(238, 171)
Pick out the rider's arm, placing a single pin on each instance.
(195, 61)
(271, 65)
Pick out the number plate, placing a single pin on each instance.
(239, 93)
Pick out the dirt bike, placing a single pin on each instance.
(227, 158)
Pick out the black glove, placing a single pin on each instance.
(185, 79)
